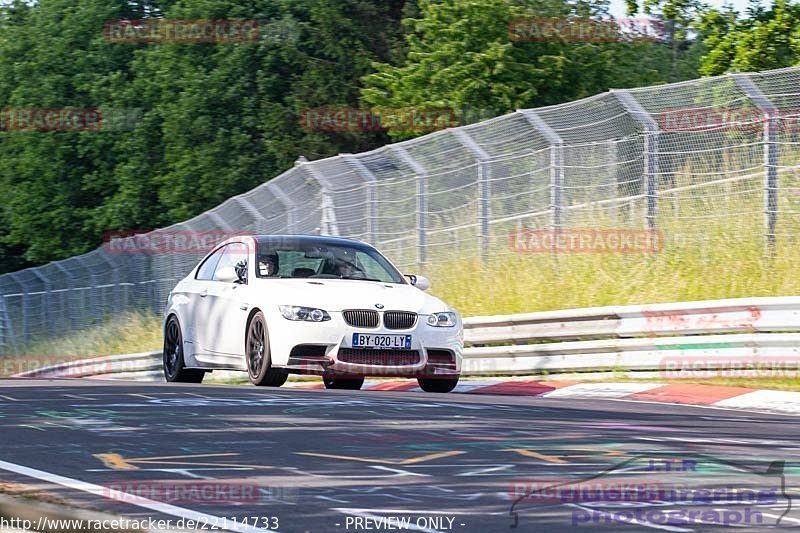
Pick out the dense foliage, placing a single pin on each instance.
(186, 125)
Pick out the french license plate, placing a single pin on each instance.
(362, 340)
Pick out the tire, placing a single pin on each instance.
(437, 384)
(259, 363)
(343, 383)
(175, 370)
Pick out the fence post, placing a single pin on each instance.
(219, 221)
(6, 335)
(651, 134)
(484, 187)
(288, 203)
(116, 280)
(250, 209)
(422, 202)
(45, 301)
(25, 307)
(764, 104)
(372, 194)
(556, 165)
(65, 299)
(329, 225)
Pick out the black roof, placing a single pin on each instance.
(309, 239)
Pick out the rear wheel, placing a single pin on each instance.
(175, 370)
(343, 383)
(437, 384)
(259, 363)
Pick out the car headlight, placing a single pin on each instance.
(309, 314)
(442, 320)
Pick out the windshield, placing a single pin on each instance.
(309, 258)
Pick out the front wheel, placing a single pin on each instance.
(259, 363)
(175, 370)
(437, 384)
(343, 383)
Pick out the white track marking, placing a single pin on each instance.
(144, 503)
(780, 401)
(600, 390)
(467, 386)
(776, 516)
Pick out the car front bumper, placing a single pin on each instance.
(326, 348)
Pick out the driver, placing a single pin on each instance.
(268, 265)
(346, 266)
(347, 269)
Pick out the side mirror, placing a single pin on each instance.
(420, 282)
(226, 274)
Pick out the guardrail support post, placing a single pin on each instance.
(45, 301)
(25, 307)
(422, 202)
(6, 333)
(556, 166)
(763, 103)
(69, 316)
(329, 225)
(651, 138)
(250, 209)
(484, 187)
(372, 194)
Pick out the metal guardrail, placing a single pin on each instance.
(637, 337)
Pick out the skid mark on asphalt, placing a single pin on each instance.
(411, 461)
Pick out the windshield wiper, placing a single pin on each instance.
(363, 279)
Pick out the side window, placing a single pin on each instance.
(235, 255)
(206, 270)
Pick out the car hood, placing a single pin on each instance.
(338, 294)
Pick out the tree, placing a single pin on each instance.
(765, 38)
(678, 18)
(204, 120)
(459, 55)
(53, 56)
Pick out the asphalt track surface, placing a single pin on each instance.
(364, 461)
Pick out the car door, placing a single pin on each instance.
(224, 312)
(192, 309)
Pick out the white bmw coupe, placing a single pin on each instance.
(274, 305)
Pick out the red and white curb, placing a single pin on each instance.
(739, 398)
